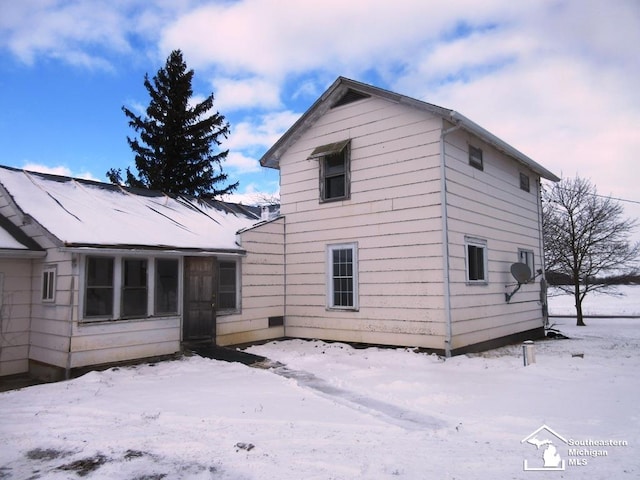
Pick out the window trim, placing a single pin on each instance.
(532, 266)
(49, 284)
(330, 304)
(481, 244)
(238, 285)
(118, 285)
(476, 159)
(321, 153)
(125, 289)
(156, 285)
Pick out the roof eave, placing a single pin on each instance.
(155, 250)
(477, 130)
(21, 253)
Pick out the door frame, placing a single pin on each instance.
(205, 298)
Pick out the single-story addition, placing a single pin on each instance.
(93, 273)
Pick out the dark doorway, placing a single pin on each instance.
(199, 323)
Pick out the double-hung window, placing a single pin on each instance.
(166, 294)
(98, 300)
(342, 281)
(49, 284)
(227, 286)
(526, 257)
(335, 170)
(476, 260)
(134, 288)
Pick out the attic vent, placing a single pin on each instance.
(350, 96)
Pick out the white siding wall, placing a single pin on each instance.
(262, 287)
(490, 205)
(50, 327)
(393, 214)
(15, 315)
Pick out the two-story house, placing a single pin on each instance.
(400, 222)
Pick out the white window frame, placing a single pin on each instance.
(476, 159)
(238, 307)
(481, 244)
(527, 257)
(330, 276)
(49, 284)
(118, 282)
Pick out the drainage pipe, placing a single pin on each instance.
(445, 238)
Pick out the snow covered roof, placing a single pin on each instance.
(85, 213)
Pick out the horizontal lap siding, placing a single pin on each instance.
(490, 205)
(15, 316)
(262, 287)
(94, 344)
(394, 215)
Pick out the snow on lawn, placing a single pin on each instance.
(597, 303)
(330, 411)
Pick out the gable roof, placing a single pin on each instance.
(344, 88)
(15, 243)
(85, 213)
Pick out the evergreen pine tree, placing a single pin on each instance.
(175, 149)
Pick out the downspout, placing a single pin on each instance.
(543, 279)
(67, 370)
(445, 240)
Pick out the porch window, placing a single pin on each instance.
(227, 286)
(49, 284)
(476, 257)
(134, 288)
(99, 292)
(335, 170)
(166, 295)
(475, 157)
(342, 267)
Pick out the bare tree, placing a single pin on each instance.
(586, 236)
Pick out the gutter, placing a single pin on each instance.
(445, 239)
(501, 145)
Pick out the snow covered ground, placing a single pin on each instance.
(335, 412)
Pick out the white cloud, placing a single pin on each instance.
(241, 163)
(232, 94)
(59, 170)
(260, 132)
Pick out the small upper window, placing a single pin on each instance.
(49, 284)
(475, 157)
(335, 170)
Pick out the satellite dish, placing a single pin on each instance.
(521, 272)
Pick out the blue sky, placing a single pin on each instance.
(555, 79)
